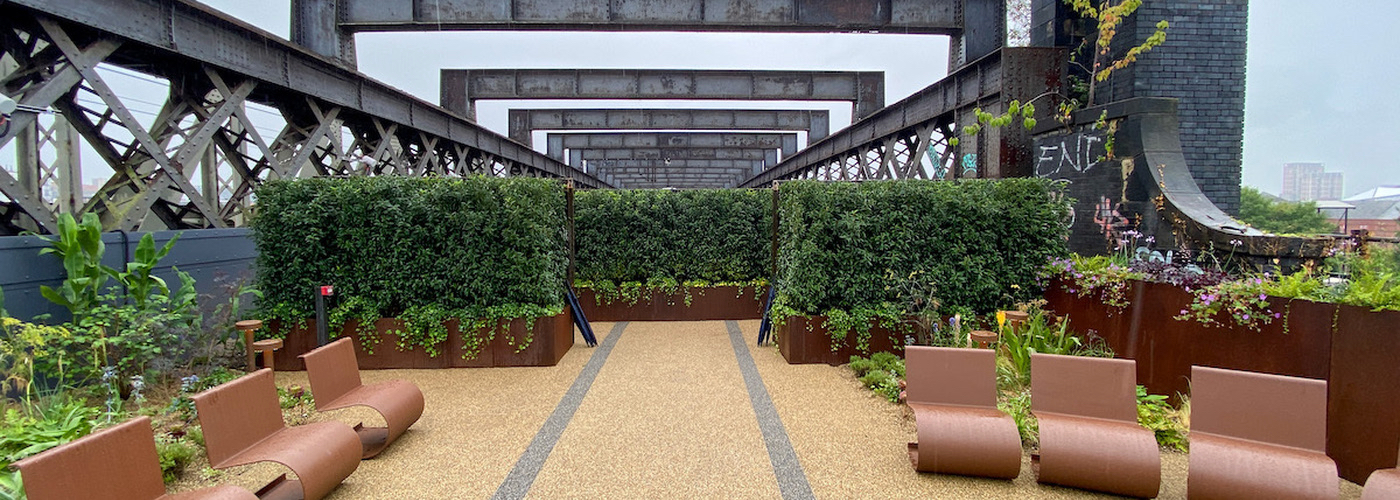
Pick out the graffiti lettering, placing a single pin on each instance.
(1071, 154)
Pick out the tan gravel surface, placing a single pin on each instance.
(667, 417)
(475, 425)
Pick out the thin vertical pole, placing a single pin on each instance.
(569, 207)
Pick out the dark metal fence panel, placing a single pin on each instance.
(211, 256)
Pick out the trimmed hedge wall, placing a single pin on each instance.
(847, 246)
(416, 248)
(713, 235)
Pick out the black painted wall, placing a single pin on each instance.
(211, 256)
(1202, 64)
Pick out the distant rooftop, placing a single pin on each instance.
(1377, 193)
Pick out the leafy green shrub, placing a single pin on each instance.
(424, 249)
(630, 242)
(980, 243)
(23, 434)
(174, 454)
(881, 372)
(1168, 424)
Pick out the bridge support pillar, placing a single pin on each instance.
(315, 25)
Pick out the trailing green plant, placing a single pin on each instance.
(1243, 301)
(420, 249)
(839, 241)
(1169, 425)
(632, 243)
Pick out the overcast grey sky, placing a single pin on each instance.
(1312, 96)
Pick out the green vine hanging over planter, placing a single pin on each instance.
(423, 250)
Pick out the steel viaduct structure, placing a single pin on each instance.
(198, 166)
(524, 122)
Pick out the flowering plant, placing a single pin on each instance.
(1242, 300)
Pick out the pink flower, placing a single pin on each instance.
(1262, 296)
(1246, 317)
(1278, 315)
(1183, 312)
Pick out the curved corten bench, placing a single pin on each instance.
(119, 463)
(1383, 484)
(1255, 435)
(954, 397)
(243, 424)
(335, 384)
(1089, 432)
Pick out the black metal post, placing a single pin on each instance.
(323, 336)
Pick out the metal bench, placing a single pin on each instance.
(1089, 432)
(1383, 484)
(1255, 435)
(960, 430)
(118, 463)
(335, 384)
(243, 424)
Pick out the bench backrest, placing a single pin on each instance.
(1084, 386)
(951, 376)
(332, 370)
(118, 463)
(238, 414)
(1274, 409)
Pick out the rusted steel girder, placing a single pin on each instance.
(557, 143)
(197, 164)
(912, 139)
(461, 88)
(977, 27)
(523, 122)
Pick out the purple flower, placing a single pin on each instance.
(1278, 315)
(1262, 296)
(1183, 312)
(1246, 317)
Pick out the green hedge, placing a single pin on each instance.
(652, 236)
(422, 249)
(855, 246)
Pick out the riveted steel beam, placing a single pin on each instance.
(787, 142)
(523, 122)
(461, 88)
(914, 138)
(328, 26)
(675, 154)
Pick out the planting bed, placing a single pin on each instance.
(706, 304)
(804, 340)
(1353, 348)
(552, 338)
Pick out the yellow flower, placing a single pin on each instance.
(1001, 319)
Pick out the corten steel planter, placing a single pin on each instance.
(706, 304)
(552, 338)
(1356, 358)
(800, 345)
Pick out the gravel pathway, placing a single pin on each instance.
(660, 410)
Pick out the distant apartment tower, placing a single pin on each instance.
(1310, 182)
